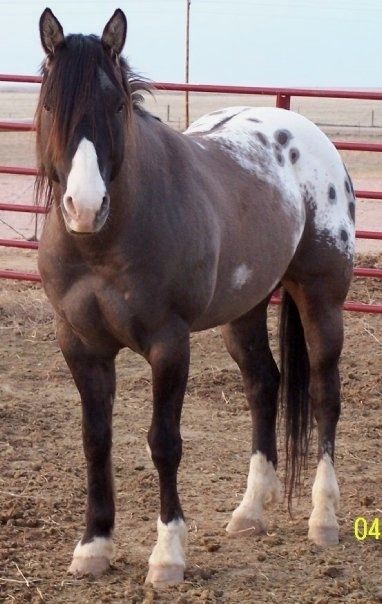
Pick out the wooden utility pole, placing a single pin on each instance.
(187, 66)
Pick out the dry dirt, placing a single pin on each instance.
(42, 474)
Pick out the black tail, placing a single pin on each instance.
(294, 393)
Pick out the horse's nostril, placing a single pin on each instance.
(69, 205)
(105, 204)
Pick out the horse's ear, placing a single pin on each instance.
(114, 34)
(51, 32)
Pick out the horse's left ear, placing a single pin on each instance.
(114, 34)
(51, 32)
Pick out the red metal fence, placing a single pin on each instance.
(283, 98)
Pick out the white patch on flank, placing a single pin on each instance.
(170, 546)
(325, 495)
(318, 166)
(100, 547)
(85, 185)
(263, 488)
(241, 275)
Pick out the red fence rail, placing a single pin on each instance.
(283, 99)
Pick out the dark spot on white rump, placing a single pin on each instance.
(278, 154)
(348, 184)
(280, 159)
(294, 154)
(262, 138)
(332, 194)
(344, 235)
(352, 210)
(283, 137)
(221, 123)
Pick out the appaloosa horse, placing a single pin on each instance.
(153, 234)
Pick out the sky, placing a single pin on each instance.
(312, 43)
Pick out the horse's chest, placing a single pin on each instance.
(99, 313)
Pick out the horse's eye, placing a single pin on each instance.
(120, 108)
(47, 107)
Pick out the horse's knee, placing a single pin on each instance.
(97, 439)
(165, 446)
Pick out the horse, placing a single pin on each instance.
(153, 234)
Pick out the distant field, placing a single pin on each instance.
(347, 119)
(340, 119)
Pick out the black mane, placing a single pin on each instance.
(70, 79)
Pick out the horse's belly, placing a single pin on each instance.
(232, 306)
(244, 280)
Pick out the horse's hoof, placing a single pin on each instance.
(161, 576)
(94, 566)
(245, 527)
(323, 535)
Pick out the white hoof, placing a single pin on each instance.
(242, 526)
(167, 561)
(92, 558)
(325, 536)
(323, 525)
(161, 576)
(263, 489)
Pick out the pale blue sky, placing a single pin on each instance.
(334, 43)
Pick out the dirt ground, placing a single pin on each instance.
(42, 474)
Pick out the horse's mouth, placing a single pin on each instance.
(80, 233)
(83, 229)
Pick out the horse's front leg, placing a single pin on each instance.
(94, 376)
(169, 358)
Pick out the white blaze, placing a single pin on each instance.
(85, 185)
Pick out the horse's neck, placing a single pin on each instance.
(153, 159)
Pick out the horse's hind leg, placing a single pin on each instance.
(247, 342)
(94, 376)
(320, 307)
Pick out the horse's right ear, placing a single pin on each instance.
(114, 33)
(51, 32)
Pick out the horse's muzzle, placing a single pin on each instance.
(84, 220)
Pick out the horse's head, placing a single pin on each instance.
(82, 118)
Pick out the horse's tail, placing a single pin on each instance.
(294, 393)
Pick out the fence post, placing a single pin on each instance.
(283, 101)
